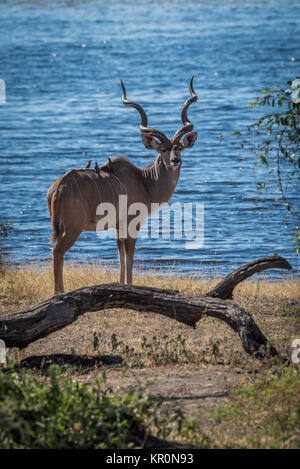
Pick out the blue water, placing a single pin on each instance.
(62, 62)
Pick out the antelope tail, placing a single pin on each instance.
(53, 203)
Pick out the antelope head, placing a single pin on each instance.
(168, 149)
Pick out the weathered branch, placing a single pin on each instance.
(22, 328)
(225, 288)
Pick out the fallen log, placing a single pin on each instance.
(22, 328)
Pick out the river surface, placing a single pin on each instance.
(62, 62)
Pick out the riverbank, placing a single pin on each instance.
(274, 305)
(193, 369)
(25, 283)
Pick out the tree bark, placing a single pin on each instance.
(225, 288)
(22, 328)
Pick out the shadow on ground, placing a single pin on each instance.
(84, 362)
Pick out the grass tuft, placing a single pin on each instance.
(264, 414)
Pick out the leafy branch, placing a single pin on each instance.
(276, 138)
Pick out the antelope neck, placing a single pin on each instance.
(159, 180)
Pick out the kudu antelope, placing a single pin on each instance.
(73, 199)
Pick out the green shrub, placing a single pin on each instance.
(56, 412)
(5, 229)
(275, 141)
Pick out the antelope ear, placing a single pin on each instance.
(150, 142)
(189, 140)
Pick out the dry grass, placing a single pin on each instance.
(30, 284)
